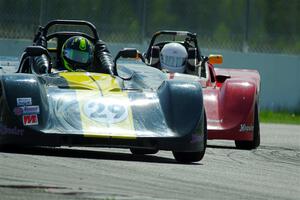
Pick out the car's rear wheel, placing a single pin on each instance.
(188, 157)
(256, 135)
(138, 151)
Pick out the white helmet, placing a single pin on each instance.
(173, 57)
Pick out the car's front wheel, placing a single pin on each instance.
(188, 157)
(138, 151)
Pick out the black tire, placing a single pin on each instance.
(138, 151)
(188, 157)
(248, 145)
(10, 147)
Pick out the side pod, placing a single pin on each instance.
(182, 104)
(25, 86)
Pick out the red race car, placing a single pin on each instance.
(231, 96)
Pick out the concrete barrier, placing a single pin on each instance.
(280, 75)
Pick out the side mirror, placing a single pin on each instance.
(215, 59)
(129, 53)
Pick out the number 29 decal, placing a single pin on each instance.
(105, 111)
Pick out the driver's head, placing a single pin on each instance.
(77, 53)
(173, 57)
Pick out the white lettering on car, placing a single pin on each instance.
(24, 101)
(10, 131)
(105, 111)
(245, 128)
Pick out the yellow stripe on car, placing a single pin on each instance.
(104, 108)
(79, 80)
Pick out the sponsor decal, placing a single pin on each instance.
(31, 110)
(26, 110)
(24, 101)
(245, 128)
(10, 131)
(18, 111)
(30, 120)
(105, 111)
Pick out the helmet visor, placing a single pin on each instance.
(173, 61)
(77, 55)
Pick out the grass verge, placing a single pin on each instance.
(283, 117)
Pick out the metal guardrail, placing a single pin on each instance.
(135, 22)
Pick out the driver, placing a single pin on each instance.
(173, 58)
(78, 54)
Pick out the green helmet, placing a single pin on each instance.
(77, 53)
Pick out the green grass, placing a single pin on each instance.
(282, 117)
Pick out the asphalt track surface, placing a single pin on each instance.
(270, 172)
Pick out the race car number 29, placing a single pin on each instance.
(105, 111)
